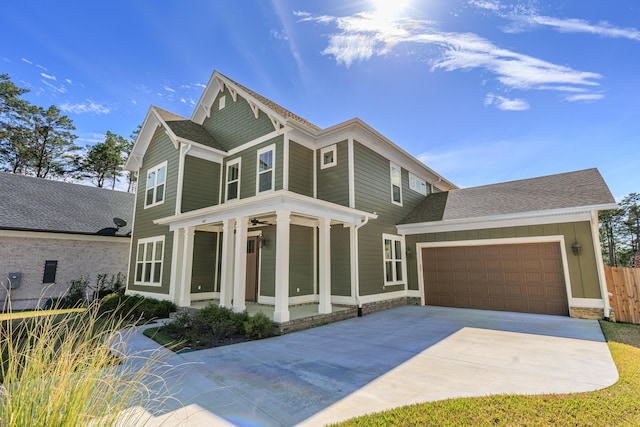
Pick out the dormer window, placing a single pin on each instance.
(328, 156)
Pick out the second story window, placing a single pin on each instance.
(396, 185)
(156, 183)
(233, 179)
(417, 184)
(265, 175)
(328, 157)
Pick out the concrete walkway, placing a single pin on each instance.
(380, 361)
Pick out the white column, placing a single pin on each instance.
(324, 265)
(187, 268)
(176, 265)
(226, 270)
(240, 265)
(281, 312)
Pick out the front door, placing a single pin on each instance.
(252, 269)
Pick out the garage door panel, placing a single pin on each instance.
(515, 277)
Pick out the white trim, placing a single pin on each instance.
(334, 159)
(204, 296)
(393, 166)
(285, 164)
(503, 241)
(595, 235)
(263, 150)
(403, 255)
(588, 303)
(156, 169)
(184, 149)
(351, 170)
(216, 270)
(63, 236)
(236, 161)
(367, 299)
(300, 299)
(315, 173)
(343, 300)
(283, 233)
(251, 144)
(499, 221)
(203, 152)
(154, 243)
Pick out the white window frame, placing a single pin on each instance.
(263, 150)
(143, 265)
(417, 184)
(333, 149)
(155, 185)
(399, 185)
(397, 260)
(226, 178)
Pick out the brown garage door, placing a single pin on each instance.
(525, 277)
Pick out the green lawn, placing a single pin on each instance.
(618, 405)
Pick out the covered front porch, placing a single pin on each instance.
(269, 253)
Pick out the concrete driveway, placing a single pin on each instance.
(381, 361)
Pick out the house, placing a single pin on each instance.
(246, 202)
(53, 232)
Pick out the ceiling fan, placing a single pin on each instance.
(256, 221)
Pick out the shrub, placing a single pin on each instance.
(76, 296)
(106, 285)
(218, 322)
(258, 326)
(136, 307)
(63, 370)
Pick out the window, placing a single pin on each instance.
(149, 261)
(265, 178)
(50, 268)
(328, 156)
(156, 183)
(393, 260)
(417, 184)
(233, 179)
(396, 185)
(222, 102)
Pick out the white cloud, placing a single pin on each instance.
(492, 5)
(279, 35)
(88, 106)
(200, 85)
(363, 35)
(68, 81)
(56, 89)
(91, 138)
(26, 60)
(506, 104)
(41, 67)
(184, 101)
(49, 77)
(168, 89)
(584, 97)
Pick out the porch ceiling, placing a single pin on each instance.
(281, 200)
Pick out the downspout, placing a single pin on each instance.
(357, 267)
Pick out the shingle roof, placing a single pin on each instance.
(38, 204)
(275, 107)
(583, 188)
(185, 128)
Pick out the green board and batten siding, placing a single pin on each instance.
(201, 184)
(235, 124)
(373, 194)
(583, 273)
(203, 274)
(301, 262)
(340, 260)
(160, 149)
(300, 169)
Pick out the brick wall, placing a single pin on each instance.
(77, 256)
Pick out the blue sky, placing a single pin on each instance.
(482, 91)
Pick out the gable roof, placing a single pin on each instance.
(38, 204)
(580, 190)
(185, 128)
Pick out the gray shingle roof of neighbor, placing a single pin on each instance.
(577, 189)
(37, 204)
(185, 128)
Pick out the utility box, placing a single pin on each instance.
(14, 280)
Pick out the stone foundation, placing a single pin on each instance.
(315, 320)
(587, 313)
(372, 307)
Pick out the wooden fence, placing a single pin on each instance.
(624, 285)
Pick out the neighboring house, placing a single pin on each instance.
(248, 202)
(54, 232)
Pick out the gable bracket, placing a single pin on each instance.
(275, 122)
(233, 93)
(255, 109)
(207, 109)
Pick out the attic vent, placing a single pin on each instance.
(222, 102)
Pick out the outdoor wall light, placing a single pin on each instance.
(576, 248)
(262, 241)
(408, 253)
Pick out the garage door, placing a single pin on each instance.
(525, 278)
